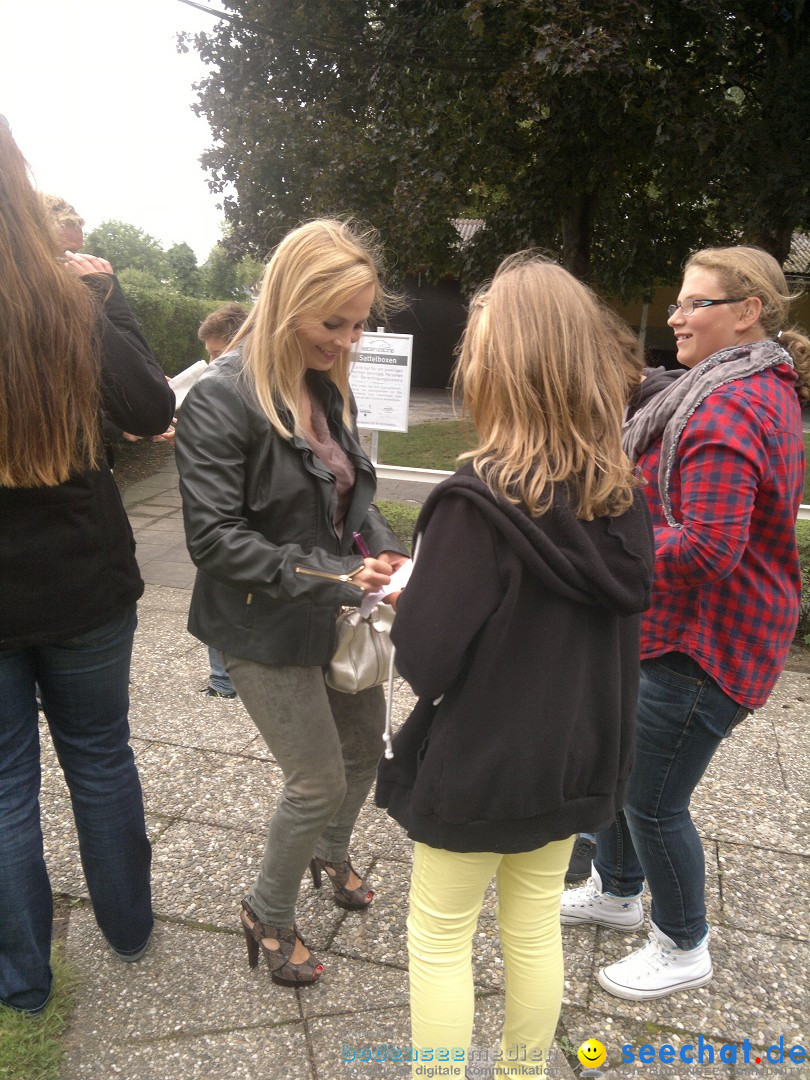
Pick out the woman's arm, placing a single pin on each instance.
(720, 463)
(135, 394)
(455, 586)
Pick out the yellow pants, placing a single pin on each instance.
(447, 891)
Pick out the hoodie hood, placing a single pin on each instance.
(606, 561)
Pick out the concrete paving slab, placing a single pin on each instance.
(206, 983)
(352, 982)
(365, 1044)
(160, 638)
(765, 889)
(187, 782)
(164, 599)
(192, 720)
(200, 873)
(252, 1053)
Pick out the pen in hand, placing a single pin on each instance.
(361, 545)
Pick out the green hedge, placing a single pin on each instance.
(170, 322)
(401, 517)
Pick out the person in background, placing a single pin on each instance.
(215, 332)
(218, 329)
(519, 632)
(70, 347)
(722, 451)
(275, 484)
(68, 227)
(66, 222)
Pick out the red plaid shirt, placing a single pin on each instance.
(728, 583)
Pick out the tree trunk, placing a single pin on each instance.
(774, 238)
(577, 235)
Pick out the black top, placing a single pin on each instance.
(529, 628)
(67, 555)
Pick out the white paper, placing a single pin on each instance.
(182, 383)
(399, 579)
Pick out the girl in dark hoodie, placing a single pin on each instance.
(519, 632)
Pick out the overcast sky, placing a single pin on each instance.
(99, 101)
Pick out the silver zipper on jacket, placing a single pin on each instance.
(327, 575)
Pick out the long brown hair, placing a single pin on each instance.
(545, 379)
(49, 365)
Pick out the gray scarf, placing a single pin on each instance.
(668, 413)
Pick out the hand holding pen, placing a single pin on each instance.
(375, 573)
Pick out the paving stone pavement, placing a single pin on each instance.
(192, 1008)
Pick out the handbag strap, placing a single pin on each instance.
(389, 697)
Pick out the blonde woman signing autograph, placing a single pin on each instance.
(274, 485)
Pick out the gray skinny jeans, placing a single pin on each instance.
(327, 745)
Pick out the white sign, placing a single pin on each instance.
(381, 380)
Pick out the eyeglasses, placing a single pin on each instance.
(688, 306)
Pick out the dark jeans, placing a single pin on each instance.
(683, 716)
(84, 683)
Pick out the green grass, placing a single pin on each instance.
(32, 1048)
(428, 446)
(401, 517)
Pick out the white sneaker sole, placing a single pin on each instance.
(594, 920)
(632, 993)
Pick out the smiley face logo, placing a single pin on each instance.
(592, 1054)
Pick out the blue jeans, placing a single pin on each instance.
(218, 679)
(682, 718)
(84, 682)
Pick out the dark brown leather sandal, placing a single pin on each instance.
(282, 970)
(351, 899)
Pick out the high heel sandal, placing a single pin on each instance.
(351, 899)
(282, 970)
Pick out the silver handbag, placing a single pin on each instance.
(363, 650)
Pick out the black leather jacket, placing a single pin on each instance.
(259, 511)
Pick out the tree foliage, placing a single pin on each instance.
(128, 248)
(168, 292)
(184, 274)
(168, 319)
(139, 259)
(618, 134)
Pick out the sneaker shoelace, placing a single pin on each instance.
(581, 847)
(655, 954)
(587, 893)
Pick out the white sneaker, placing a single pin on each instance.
(588, 905)
(658, 969)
